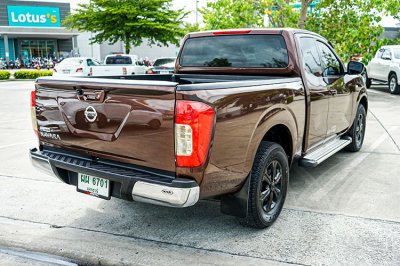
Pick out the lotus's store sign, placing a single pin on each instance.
(33, 16)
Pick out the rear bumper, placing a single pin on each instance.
(128, 182)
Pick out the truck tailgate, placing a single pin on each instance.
(127, 121)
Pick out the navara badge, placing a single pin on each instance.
(90, 114)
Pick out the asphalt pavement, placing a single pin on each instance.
(344, 212)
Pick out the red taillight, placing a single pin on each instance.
(231, 32)
(33, 98)
(33, 112)
(90, 71)
(150, 71)
(79, 69)
(124, 71)
(193, 129)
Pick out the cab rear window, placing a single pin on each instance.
(235, 51)
(118, 60)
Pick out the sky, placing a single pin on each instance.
(190, 5)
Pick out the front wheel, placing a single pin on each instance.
(357, 130)
(393, 84)
(368, 81)
(268, 185)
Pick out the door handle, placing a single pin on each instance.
(332, 92)
(91, 96)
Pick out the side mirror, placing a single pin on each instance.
(355, 68)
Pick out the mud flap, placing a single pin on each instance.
(237, 204)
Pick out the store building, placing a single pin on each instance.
(30, 29)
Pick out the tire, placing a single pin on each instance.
(155, 124)
(368, 81)
(394, 87)
(269, 175)
(357, 130)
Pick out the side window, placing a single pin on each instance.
(311, 60)
(90, 62)
(379, 53)
(331, 65)
(386, 54)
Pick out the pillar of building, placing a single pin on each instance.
(6, 48)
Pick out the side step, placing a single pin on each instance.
(322, 153)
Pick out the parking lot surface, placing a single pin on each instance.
(345, 211)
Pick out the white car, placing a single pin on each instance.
(385, 67)
(119, 65)
(74, 66)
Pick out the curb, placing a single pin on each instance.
(8, 80)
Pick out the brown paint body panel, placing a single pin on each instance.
(247, 103)
(134, 123)
(244, 114)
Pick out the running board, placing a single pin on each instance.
(328, 149)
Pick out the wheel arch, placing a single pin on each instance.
(280, 127)
(281, 135)
(391, 72)
(364, 102)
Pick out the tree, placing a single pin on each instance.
(352, 26)
(305, 5)
(228, 14)
(225, 14)
(281, 13)
(130, 21)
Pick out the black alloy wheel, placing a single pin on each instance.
(271, 187)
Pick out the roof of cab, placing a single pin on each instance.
(250, 31)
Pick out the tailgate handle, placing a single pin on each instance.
(92, 96)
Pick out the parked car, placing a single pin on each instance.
(164, 65)
(74, 66)
(247, 105)
(119, 64)
(385, 67)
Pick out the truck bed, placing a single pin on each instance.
(134, 122)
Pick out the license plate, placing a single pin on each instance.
(66, 71)
(164, 72)
(94, 186)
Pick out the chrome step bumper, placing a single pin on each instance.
(328, 149)
(131, 183)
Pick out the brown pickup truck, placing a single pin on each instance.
(241, 107)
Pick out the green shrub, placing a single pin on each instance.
(43, 73)
(4, 74)
(32, 74)
(26, 74)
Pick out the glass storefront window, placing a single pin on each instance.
(37, 48)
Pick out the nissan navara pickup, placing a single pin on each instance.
(240, 108)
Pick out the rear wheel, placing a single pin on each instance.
(268, 185)
(393, 84)
(357, 130)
